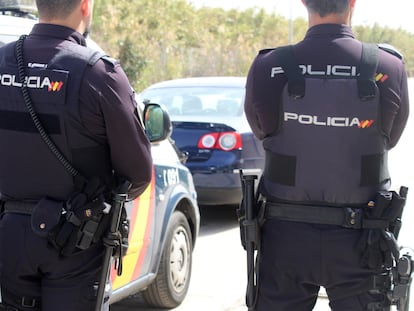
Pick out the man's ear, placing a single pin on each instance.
(86, 7)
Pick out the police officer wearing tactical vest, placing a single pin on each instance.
(327, 110)
(51, 214)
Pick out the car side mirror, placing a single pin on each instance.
(157, 122)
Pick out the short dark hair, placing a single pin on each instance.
(56, 8)
(326, 7)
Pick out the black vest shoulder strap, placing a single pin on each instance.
(73, 54)
(296, 81)
(366, 79)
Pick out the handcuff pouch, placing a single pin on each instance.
(46, 215)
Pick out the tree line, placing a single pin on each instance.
(167, 39)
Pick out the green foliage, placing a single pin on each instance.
(402, 40)
(166, 39)
(131, 58)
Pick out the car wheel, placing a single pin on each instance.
(173, 278)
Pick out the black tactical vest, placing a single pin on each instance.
(329, 149)
(28, 169)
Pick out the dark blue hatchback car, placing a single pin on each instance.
(211, 130)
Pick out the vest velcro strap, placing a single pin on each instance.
(369, 63)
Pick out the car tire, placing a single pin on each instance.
(173, 278)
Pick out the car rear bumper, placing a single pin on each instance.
(220, 188)
(219, 196)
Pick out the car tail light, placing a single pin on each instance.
(223, 141)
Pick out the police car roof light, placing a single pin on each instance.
(18, 6)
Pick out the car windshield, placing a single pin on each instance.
(199, 100)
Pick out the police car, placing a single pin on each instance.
(164, 220)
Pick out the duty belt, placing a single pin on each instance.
(18, 207)
(348, 217)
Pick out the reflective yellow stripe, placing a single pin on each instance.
(138, 242)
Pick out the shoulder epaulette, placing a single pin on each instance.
(110, 60)
(265, 51)
(390, 49)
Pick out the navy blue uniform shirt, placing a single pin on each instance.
(326, 48)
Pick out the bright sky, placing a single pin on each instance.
(391, 13)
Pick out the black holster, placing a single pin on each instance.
(69, 238)
(395, 281)
(381, 225)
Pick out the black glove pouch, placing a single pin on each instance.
(46, 215)
(374, 249)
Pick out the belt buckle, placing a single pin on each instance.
(352, 218)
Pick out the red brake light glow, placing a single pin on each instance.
(226, 141)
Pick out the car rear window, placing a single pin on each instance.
(198, 101)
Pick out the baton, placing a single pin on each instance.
(248, 193)
(118, 201)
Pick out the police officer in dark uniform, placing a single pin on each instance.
(86, 105)
(327, 110)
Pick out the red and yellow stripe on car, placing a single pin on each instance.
(141, 218)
